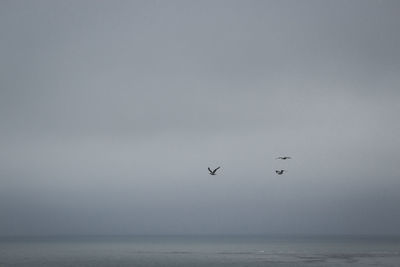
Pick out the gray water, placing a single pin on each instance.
(200, 251)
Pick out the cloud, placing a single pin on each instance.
(111, 113)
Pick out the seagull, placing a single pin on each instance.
(214, 171)
(279, 172)
(284, 158)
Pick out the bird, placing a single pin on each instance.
(284, 158)
(280, 172)
(214, 171)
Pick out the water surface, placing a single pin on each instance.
(199, 251)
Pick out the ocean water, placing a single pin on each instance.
(199, 251)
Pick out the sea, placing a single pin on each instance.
(198, 251)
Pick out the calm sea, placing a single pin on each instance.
(200, 251)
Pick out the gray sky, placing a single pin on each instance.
(111, 112)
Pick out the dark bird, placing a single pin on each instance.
(214, 171)
(280, 172)
(284, 158)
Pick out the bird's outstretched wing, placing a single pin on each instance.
(216, 169)
(209, 169)
(285, 157)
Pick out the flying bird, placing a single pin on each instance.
(280, 172)
(284, 158)
(214, 171)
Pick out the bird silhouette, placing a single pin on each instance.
(280, 172)
(284, 158)
(214, 171)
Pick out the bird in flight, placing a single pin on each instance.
(280, 172)
(214, 171)
(284, 158)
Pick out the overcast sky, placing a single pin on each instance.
(111, 112)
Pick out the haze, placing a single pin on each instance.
(111, 112)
